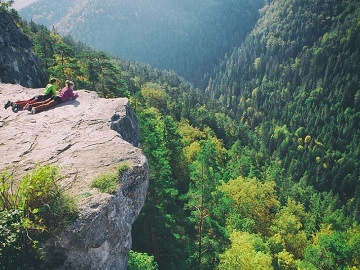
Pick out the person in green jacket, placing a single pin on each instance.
(50, 90)
(65, 94)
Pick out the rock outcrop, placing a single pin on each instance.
(18, 64)
(84, 138)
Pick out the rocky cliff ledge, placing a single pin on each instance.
(18, 64)
(84, 137)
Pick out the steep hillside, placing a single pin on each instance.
(190, 37)
(296, 81)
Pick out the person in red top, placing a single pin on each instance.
(65, 94)
(50, 90)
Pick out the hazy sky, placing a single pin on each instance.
(18, 4)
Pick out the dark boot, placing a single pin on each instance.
(7, 104)
(15, 107)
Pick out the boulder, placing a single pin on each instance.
(84, 138)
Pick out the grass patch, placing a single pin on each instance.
(84, 195)
(122, 168)
(108, 182)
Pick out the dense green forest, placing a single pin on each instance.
(166, 34)
(296, 81)
(261, 169)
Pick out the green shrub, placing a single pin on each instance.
(107, 182)
(41, 192)
(17, 249)
(31, 210)
(140, 261)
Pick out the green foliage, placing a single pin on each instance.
(298, 82)
(335, 249)
(19, 248)
(31, 210)
(271, 147)
(205, 173)
(288, 227)
(140, 261)
(40, 190)
(244, 161)
(253, 204)
(161, 221)
(108, 182)
(247, 251)
(103, 75)
(123, 167)
(5, 5)
(65, 59)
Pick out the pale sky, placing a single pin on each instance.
(19, 4)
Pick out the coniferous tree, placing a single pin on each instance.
(205, 177)
(159, 222)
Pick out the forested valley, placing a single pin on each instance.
(189, 37)
(260, 169)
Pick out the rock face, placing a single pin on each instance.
(84, 138)
(18, 64)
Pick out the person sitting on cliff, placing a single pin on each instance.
(50, 90)
(65, 94)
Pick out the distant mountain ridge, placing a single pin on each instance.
(189, 37)
(19, 4)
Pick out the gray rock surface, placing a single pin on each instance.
(18, 64)
(76, 136)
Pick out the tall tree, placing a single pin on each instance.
(205, 177)
(157, 231)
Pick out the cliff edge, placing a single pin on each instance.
(84, 138)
